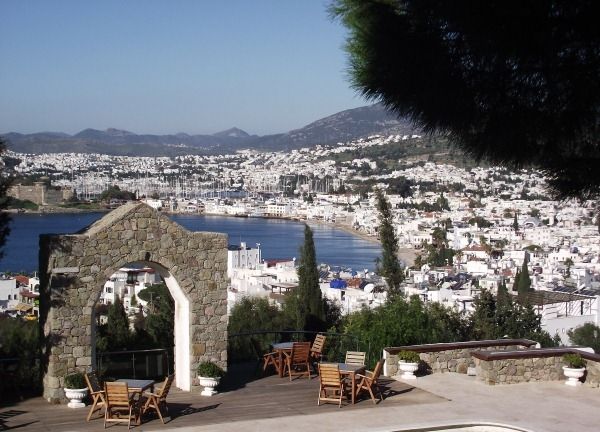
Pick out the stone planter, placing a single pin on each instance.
(209, 385)
(573, 375)
(408, 369)
(76, 397)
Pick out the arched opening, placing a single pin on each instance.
(157, 318)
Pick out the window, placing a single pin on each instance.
(108, 290)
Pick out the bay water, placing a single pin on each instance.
(278, 238)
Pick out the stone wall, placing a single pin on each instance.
(39, 193)
(450, 357)
(531, 366)
(74, 268)
(512, 371)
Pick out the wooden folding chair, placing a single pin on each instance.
(158, 400)
(121, 407)
(331, 387)
(298, 359)
(369, 382)
(268, 359)
(316, 351)
(355, 358)
(96, 392)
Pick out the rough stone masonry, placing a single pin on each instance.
(74, 269)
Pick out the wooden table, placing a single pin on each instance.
(138, 386)
(281, 348)
(351, 370)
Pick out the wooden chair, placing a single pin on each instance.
(267, 359)
(369, 383)
(158, 400)
(332, 387)
(121, 407)
(316, 351)
(96, 392)
(298, 359)
(355, 357)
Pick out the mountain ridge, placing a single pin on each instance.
(339, 127)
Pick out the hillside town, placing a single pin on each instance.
(469, 228)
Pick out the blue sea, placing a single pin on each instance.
(278, 238)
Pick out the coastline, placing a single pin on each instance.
(406, 255)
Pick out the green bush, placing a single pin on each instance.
(409, 356)
(210, 370)
(574, 361)
(75, 381)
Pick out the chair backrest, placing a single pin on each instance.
(377, 370)
(318, 343)
(300, 352)
(93, 382)
(117, 393)
(330, 374)
(355, 357)
(164, 390)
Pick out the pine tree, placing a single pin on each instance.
(390, 266)
(117, 326)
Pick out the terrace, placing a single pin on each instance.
(428, 402)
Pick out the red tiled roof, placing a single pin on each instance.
(23, 280)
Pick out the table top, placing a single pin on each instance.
(351, 368)
(283, 345)
(136, 383)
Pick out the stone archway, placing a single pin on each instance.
(73, 269)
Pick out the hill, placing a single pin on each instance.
(343, 126)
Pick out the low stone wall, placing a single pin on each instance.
(512, 367)
(450, 357)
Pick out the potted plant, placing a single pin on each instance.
(75, 390)
(574, 368)
(209, 375)
(408, 363)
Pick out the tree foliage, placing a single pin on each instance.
(5, 182)
(389, 266)
(304, 306)
(469, 72)
(587, 335)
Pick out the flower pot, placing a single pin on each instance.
(573, 375)
(408, 369)
(76, 397)
(209, 385)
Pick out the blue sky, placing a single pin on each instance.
(170, 66)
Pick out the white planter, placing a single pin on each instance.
(408, 369)
(76, 397)
(573, 375)
(209, 385)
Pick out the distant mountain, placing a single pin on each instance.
(343, 126)
(232, 133)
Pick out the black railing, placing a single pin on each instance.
(247, 346)
(137, 364)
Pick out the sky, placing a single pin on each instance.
(265, 66)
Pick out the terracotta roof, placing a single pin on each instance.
(23, 280)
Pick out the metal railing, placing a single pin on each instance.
(137, 364)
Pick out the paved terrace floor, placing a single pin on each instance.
(274, 403)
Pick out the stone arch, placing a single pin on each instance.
(74, 268)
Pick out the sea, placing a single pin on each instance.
(278, 238)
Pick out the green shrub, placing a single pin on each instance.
(210, 370)
(409, 356)
(75, 381)
(574, 361)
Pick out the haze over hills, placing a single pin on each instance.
(343, 126)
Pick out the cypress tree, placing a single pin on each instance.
(515, 286)
(515, 224)
(524, 279)
(503, 295)
(390, 266)
(310, 313)
(117, 326)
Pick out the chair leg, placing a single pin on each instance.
(159, 413)
(92, 409)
